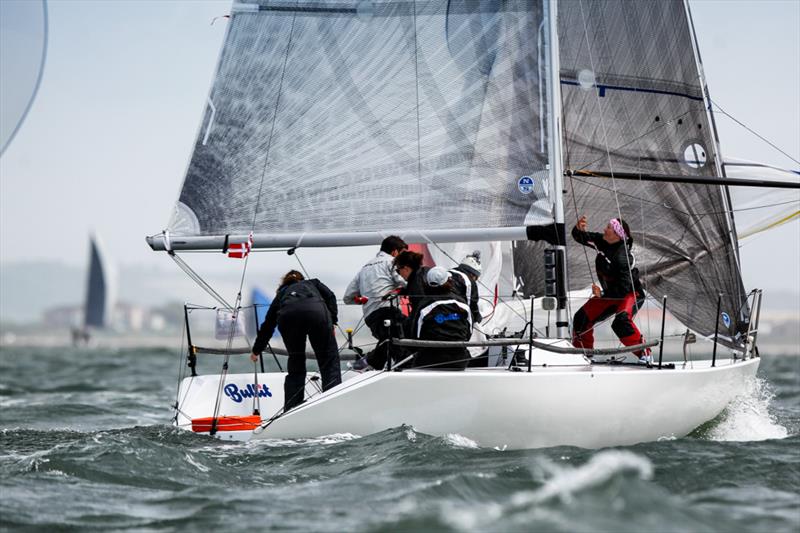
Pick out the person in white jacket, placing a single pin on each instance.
(372, 285)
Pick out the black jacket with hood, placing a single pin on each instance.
(308, 293)
(615, 264)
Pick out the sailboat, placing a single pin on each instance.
(99, 295)
(338, 122)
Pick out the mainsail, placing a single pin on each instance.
(331, 119)
(633, 102)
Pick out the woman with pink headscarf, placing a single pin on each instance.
(620, 292)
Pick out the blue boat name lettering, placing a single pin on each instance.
(236, 394)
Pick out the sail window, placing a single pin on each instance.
(695, 155)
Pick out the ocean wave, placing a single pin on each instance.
(560, 485)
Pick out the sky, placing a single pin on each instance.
(108, 138)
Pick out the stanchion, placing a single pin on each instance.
(663, 317)
(716, 331)
(530, 339)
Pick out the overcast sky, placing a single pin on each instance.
(108, 138)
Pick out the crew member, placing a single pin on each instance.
(465, 282)
(372, 287)
(302, 308)
(620, 292)
(443, 316)
(408, 265)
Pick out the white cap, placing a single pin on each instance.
(472, 264)
(437, 276)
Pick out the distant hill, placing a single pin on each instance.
(28, 288)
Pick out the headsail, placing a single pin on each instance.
(330, 119)
(633, 101)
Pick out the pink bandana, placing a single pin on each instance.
(618, 229)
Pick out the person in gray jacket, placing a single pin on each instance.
(371, 287)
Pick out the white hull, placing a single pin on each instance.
(581, 405)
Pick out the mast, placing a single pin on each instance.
(555, 154)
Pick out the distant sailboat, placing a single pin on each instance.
(98, 303)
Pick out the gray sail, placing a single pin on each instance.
(633, 102)
(342, 117)
(98, 290)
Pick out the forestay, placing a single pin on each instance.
(340, 118)
(633, 101)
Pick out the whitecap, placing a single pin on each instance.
(460, 441)
(603, 466)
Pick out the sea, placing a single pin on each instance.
(86, 443)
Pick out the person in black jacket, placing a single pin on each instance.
(302, 308)
(620, 292)
(408, 265)
(443, 315)
(465, 282)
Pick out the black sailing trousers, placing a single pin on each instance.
(295, 323)
(377, 358)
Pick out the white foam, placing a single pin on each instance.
(562, 483)
(747, 417)
(334, 438)
(599, 469)
(191, 461)
(461, 518)
(460, 441)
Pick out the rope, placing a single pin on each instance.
(605, 142)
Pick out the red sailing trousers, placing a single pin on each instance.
(598, 309)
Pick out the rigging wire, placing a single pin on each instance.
(180, 372)
(608, 151)
(234, 318)
(751, 130)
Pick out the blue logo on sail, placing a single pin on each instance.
(525, 185)
(726, 320)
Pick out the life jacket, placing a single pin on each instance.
(444, 320)
(467, 288)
